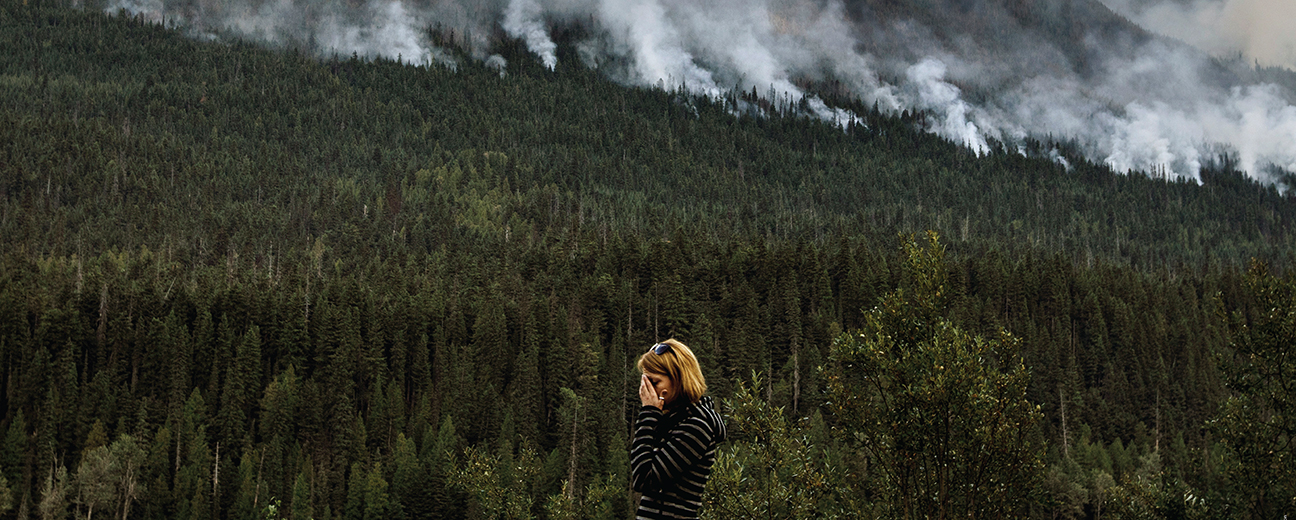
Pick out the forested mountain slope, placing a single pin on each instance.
(261, 277)
(314, 142)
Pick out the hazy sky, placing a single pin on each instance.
(1262, 30)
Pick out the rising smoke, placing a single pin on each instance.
(984, 69)
(1262, 30)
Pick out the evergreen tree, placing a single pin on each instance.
(525, 389)
(301, 507)
(242, 381)
(377, 502)
(13, 453)
(357, 485)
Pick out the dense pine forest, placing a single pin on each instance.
(246, 282)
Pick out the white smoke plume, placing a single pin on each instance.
(983, 70)
(522, 20)
(943, 98)
(1261, 30)
(389, 34)
(650, 32)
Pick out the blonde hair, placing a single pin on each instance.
(680, 365)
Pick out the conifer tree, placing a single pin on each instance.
(490, 346)
(525, 389)
(355, 493)
(242, 381)
(247, 496)
(410, 491)
(301, 507)
(193, 463)
(377, 501)
(177, 343)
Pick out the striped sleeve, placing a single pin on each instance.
(652, 462)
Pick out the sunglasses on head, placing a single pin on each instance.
(660, 348)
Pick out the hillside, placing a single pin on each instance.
(1014, 31)
(334, 136)
(330, 276)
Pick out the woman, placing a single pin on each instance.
(676, 434)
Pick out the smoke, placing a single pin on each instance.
(1155, 111)
(1261, 30)
(983, 70)
(943, 98)
(523, 20)
(388, 33)
(654, 43)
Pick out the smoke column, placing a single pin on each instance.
(1075, 70)
(935, 94)
(522, 20)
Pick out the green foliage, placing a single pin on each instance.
(1150, 494)
(58, 504)
(377, 501)
(54, 496)
(774, 468)
(941, 415)
(107, 480)
(271, 511)
(1258, 421)
(301, 507)
(599, 501)
(501, 486)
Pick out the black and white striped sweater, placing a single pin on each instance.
(671, 458)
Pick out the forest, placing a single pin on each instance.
(246, 282)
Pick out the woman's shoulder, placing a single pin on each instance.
(703, 413)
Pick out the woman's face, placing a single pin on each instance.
(663, 385)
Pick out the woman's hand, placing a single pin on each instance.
(647, 394)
